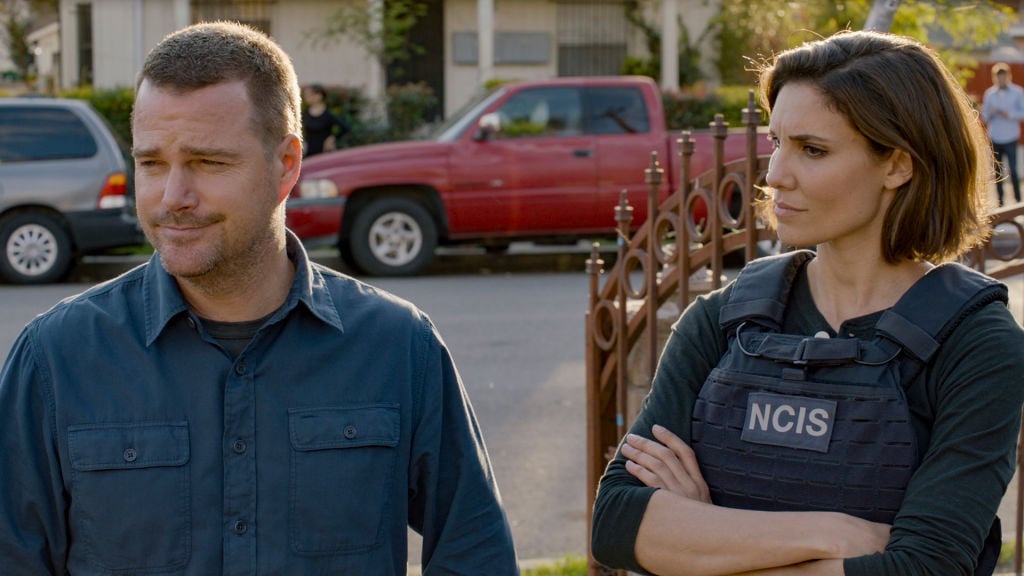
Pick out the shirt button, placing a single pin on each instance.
(238, 446)
(241, 527)
(822, 334)
(130, 455)
(350, 432)
(191, 323)
(240, 368)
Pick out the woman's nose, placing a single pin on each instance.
(778, 175)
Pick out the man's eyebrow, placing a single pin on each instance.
(218, 152)
(189, 150)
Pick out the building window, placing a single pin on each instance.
(85, 66)
(592, 38)
(255, 13)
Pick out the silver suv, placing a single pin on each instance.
(65, 188)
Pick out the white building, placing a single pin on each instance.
(105, 41)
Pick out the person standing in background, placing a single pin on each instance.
(318, 122)
(1003, 110)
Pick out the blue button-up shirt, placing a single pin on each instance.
(133, 443)
(1003, 129)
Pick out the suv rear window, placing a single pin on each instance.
(43, 133)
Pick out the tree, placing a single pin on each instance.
(689, 52)
(381, 27)
(753, 30)
(18, 20)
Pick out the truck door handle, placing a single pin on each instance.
(583, 152)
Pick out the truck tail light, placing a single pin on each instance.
(114, 191)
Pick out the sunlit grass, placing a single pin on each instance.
(568, 566)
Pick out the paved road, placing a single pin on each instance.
(516, 336)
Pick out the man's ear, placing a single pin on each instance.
(289, 158)
(901, 169)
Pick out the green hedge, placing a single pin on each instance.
(684, 111)
(114, 104)
(405, 105)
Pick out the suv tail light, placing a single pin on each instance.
(114, 190)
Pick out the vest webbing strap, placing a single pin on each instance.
(918, 323)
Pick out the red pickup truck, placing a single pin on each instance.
(527, 161)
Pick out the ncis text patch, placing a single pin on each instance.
(790, 421)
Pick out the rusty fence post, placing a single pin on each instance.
(652, 177)
(624, 217)
(751, 119)
(686, 148)
(595, 452)
(719, 130)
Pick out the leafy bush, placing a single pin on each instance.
(349, 104)
(694, 111)
(408, 106)
(114, 104)
(636, 66)
(405, 106)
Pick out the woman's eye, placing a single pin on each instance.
(814, 152)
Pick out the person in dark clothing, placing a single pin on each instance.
(231, 407)
(319, 123)
(709, 481)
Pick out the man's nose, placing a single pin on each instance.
(179, 193)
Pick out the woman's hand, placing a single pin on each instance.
(667, 463)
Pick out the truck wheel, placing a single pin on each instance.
(36, 248)
(393, 236)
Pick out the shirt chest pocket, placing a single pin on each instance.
(343, 461)
(130, 507)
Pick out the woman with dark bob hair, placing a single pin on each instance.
(852, 407)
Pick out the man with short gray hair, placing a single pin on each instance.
(231, 407)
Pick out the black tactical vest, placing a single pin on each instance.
(797, 422)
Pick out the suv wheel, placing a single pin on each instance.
(35, 248)
(393, 236)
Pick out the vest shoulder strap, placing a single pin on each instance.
(929, 311)
(761, 290)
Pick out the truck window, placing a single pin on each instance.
(541, 112)
(43, 133)
(616, 110)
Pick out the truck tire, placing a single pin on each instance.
(392, 236)
(36, 248)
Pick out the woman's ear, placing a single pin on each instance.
(901, 169)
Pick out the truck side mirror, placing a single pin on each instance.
(488, 125)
